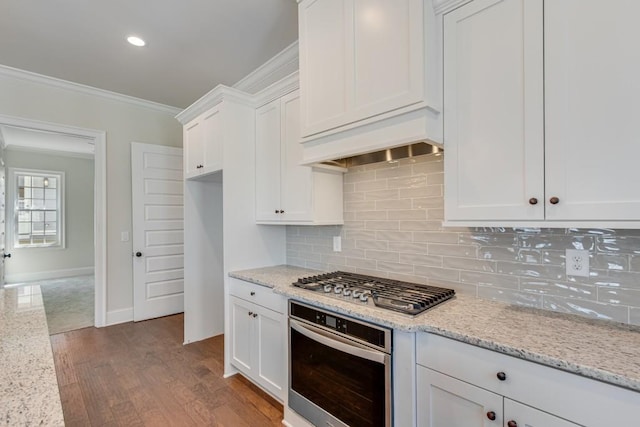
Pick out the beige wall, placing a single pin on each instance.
(78, 213)
(123, 123)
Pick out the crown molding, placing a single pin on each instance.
(277, 89)
(16, 73)
(441, 7)
(213, 98)
(283, 63)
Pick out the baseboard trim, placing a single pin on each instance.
(119, 316)
(12, 279)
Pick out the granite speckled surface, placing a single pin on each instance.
(605, 351)
(28, 386)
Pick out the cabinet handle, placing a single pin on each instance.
(501, 376)
(255, 314)
(491, 415)
(252, 293)
(533, 201)
(554, 200)
(512, 423)
(251, 313)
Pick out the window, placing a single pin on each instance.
(38, 202)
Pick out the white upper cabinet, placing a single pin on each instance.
(365, 66)
(287, 192)
(493, 111)
(203, 144)
(592, 131)
(539, 111)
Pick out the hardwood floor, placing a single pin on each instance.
(140, 374)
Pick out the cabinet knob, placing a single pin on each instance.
(554, 200)
(501, 376)
(281, 211)
(255, 314)
(512, 423)
(252, 293)
(533, 201)
(491, 415)
(251, 313)
(277, 211)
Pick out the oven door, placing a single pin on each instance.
(334, 381)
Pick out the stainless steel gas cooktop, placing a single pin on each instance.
(403, 297)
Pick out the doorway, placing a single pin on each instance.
(97, 139)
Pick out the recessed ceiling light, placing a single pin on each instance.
(136, 41)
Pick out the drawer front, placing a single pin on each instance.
(573, 397)
(257, 294)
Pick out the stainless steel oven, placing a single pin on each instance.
(339, 368)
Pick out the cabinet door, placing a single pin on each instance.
(323, 35)
(493, 111)
(296, 187)
(192, 147)
(526, 416)
(242, 334)
(591, 109)
(388, 56)
(445, 401)
(211, 123)
(268, 162)
(271, 355)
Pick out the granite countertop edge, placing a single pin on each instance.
(280, 278)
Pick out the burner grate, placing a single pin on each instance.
(396, 295)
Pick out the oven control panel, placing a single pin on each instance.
(375, 335)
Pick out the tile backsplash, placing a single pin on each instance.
(393, 228)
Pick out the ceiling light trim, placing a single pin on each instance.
(282, 64)
(16, 73)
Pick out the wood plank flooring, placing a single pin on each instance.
(140, 374)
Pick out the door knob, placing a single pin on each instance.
(138, 254)
(512, 423)
(554, 200)
(6, 255)
(533, 201)
(501, 376)
(491, 415)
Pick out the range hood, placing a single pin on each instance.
(390, 155)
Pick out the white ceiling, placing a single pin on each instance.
(192, 45)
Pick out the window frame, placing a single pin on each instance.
(13, 198)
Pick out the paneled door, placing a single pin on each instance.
(158, 230)
(3, 225)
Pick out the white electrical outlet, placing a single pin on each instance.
(337, 244)
(577, 262)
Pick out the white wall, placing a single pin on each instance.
(123, 122)
(78, 212)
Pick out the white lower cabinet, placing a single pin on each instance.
(463, 385)
(444, 401)
(258, 345)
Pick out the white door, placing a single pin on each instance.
(268, 136)
(2, 211)
(592, 64)
(243, 333)
(493, 111)
(158, 230)
(526, 416)
(271, 350)
(444, 401)
(297, 189)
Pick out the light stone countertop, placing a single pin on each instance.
(601, 350)
(28, 386)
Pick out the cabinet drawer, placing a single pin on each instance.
(566, 395)
(257, 294)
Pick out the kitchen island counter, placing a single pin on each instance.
(29, 394)
(597, 349)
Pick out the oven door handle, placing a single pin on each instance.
(339, 343)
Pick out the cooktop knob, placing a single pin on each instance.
(346, 292)
(356, 293)
(338, 289)
(327, 288)
(365, 296)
